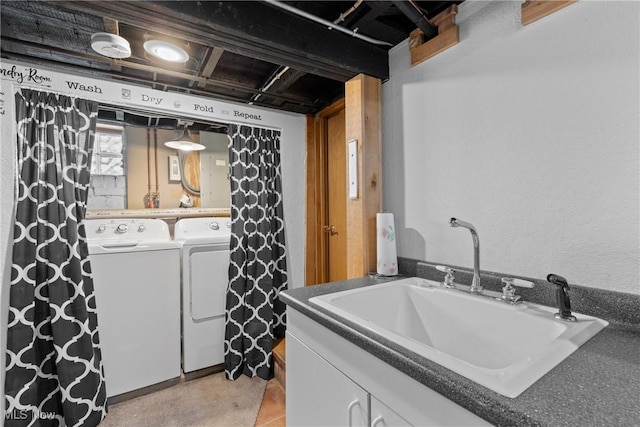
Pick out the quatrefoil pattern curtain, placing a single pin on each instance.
(255, 316)
(54, 373)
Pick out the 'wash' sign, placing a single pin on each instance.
(83, 88)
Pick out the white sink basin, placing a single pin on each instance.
(503, 347)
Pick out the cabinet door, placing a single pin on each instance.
(320, 395)
(383, 416)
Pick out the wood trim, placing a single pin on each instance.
(315, 253)
(445, 19)
(332, 109)
(535, 10)
(447, 37)
(363, 119)
(310, 200)
(362, 106)
(317, 245)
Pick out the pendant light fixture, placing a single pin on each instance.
(184, 142)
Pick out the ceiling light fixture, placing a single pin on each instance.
(167, 51)
(110, 45)
(184, 142)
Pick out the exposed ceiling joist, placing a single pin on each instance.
(280, 55)
(111, 26)
(210, 65)
(288, 40)
(285, 81)
(158, 70)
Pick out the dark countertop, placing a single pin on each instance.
(597, 385)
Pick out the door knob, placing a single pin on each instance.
(331, 229)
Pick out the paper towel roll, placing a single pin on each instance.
(386, 245)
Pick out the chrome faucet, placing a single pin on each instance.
(475, 283)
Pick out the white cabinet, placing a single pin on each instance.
(383, 416)
(333, 382)
(320, 395)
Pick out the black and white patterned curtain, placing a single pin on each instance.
(54, 373)
(255, 316)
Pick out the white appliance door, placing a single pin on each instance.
(138, 304)
(209, 272)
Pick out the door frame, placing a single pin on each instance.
(317, 242)
(363, 111)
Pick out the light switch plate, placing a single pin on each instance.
(352, 152)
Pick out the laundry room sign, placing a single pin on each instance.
(119, 94)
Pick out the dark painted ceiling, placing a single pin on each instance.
(237, 48)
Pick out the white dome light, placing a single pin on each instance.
(110, 45)
(166, 51)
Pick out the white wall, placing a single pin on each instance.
(292, 146)
(529, 133)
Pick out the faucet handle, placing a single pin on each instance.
(512, 281)
(448, 279)
(509, 291)
(444, 268)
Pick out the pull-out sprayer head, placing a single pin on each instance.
(558, 280)
(562, 298)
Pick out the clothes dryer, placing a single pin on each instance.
(205, 277)
(136, 275)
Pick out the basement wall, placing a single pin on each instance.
(529, 133)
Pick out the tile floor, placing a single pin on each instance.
(272, 410)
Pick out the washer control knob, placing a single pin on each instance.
(214, 225)
(102, 228)
(141, 228)
(228, 224)
(122, 228)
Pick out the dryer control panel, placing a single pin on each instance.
(196, 228)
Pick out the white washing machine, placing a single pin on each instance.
(205, 277)
(136, 275)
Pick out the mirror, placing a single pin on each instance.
(133, 169)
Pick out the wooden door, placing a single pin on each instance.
(329, 121)
(336, 227)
